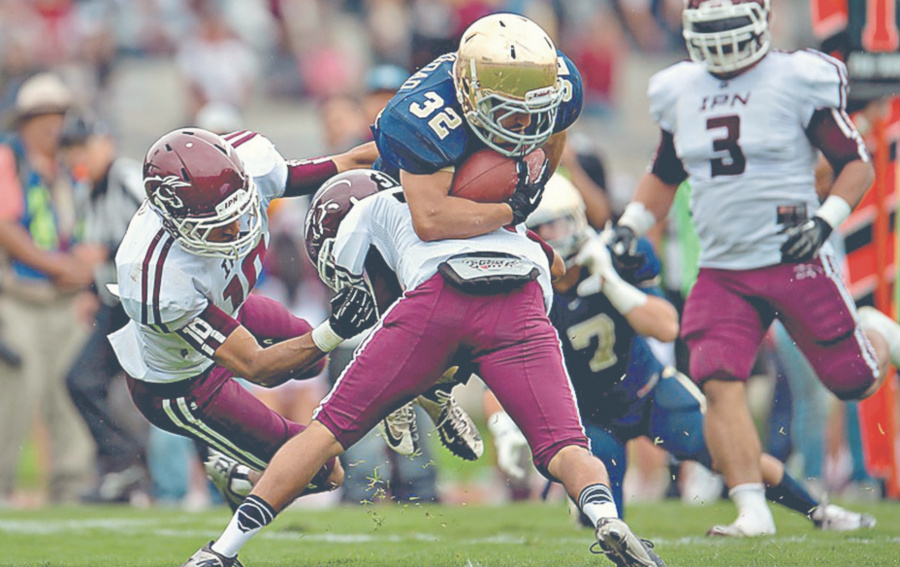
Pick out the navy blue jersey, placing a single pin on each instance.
(610, 366)
(422, 129)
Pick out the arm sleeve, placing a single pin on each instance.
(665, 163)
(306, 176)
(207, 331)
(831, 131)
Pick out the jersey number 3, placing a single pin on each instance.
(442, 122)
(736, 162)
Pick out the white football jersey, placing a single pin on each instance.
(743, 144)
(169, 293)
(384, 221)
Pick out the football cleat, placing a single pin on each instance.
(831, 518)
(206, 557)
(230, 478)
(456, 430)
(400, 430)
(622, 547)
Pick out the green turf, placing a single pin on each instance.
(425, 535)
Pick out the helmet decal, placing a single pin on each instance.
(164, 192)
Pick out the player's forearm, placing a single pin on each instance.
(657, 318)
(461, 218)
(16, 241)
(436, 215)
(360, 157)
(655, 197)
(268, 366)
(852, 183)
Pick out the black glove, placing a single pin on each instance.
(624, 252)
(352, 311)
(804, 240)
(528, 192)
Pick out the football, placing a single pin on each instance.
(489, 177)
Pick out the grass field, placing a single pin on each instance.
(426, 535)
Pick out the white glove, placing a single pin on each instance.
(512, 448)
(594, 255)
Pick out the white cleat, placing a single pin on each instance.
(457, 431)
(400, 431)
(624, 548)
(832, 518)
(206, 557)
(871, 318)
(230, 478)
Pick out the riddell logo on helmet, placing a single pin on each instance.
(539, 94)
(164, 194)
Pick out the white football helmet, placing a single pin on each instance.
(507, 65)
(562, 210)
(726, 35)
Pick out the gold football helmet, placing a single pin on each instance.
(507, 83)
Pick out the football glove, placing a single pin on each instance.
(352, 311)
(624, 250)
(594, 255)
(804, 240)
(512, 448)
(528, 192)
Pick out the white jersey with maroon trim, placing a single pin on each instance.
(183, 306)
(743, 144)
(384, 221)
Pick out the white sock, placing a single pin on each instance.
(873, 319)
(596, 502)
(251, 516)
(754, 515)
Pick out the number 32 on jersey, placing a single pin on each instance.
(442, 122)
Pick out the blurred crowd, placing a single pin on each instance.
(66, 195)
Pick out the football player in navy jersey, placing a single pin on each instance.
(603, 314)
(507, 88)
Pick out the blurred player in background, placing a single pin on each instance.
(745, 124)
(186, 267)
(603, 315)
(494, 317)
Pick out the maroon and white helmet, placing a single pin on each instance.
(328, 208)
(726, 35)
(196, 182)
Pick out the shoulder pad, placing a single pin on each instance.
(573, 99)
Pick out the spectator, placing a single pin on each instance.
(42, 273)
(216, 65)
(115, 191)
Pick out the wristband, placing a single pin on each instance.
(637, 218)
(325, 338)
(623, 296)
(834, 211)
